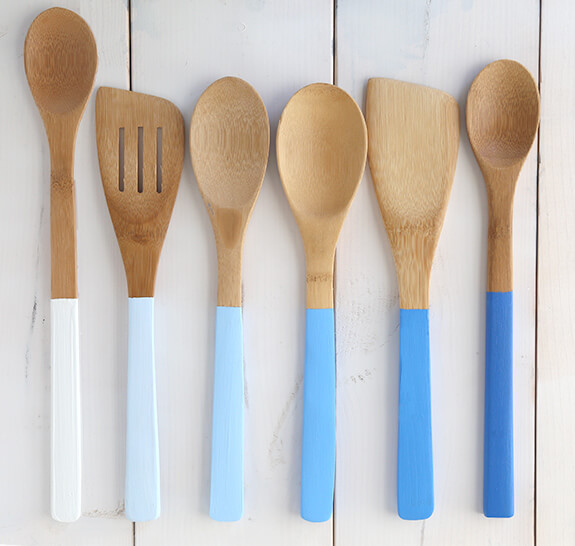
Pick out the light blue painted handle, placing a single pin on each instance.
(414, 453)
(498, 442)
(227, 485)
(318, 443)
(142, 454)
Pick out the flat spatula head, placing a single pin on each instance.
(413, 142)
(141, 146)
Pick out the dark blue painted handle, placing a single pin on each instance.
(498, 443)
(318, 442)
(414, 453)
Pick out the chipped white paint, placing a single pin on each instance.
(66, 476)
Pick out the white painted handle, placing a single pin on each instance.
(142, 452)
(66, 479)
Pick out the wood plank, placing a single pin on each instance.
(556, 296)
(277, 47)
(25, 329)
(442, 44)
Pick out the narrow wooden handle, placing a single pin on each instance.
(415, 499)
(66, 411)
(500, 247)
(498, 442)
(229, 274)
(142, 451)
(63, 235)
(318, 442)
(227, 481)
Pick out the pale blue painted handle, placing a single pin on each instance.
(142, 453)
(227, 485)
(318, 443)
(414, 453)
(498, 442)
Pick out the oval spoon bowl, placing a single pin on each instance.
(60, 60)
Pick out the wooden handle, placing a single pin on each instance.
(63, 235)
(229, 274)
(61, 139)
(319, 278)
(500, 252)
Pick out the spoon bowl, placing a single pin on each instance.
(230, 145)
(60, 60)
(503, 114)
(324, 130)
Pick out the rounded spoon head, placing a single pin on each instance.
(60, 58)
(321, 151)
(502, 114)
(229, 144)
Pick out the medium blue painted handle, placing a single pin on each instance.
(498, 442)
(142, 453)
(414, 453)
(227, 486)
(318, 442)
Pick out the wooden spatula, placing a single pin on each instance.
(141, 153)
(413, 142)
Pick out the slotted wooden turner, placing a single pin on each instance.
(413, 142)
(141, 153)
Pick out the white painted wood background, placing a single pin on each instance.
(175, 50)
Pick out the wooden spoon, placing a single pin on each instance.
(413, 142)
(141, 153)
(502, 121)
(60, 58)
(321, 150)
(229, 144)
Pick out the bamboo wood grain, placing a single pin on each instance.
(140, 218)
(229, 145)
(321, 151)
(60, 59)
(502, 121)
(413, 143)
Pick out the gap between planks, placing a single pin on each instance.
(536, 355)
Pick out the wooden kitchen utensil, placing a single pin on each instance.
(60, 58)
(229, 145)
(321, 150)
(502, 121)
(413, 143)
(141, 152)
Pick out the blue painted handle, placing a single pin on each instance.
(318, 442)
(414, 452)
(227, 485)
(142, 453)
(498, 442)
